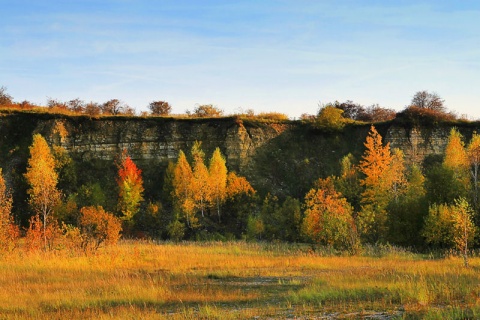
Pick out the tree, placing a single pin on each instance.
(456, 159)
(426, 100)
(473, 153)
(218, 179)
(8, 230)
(200, 183)
(42, 178)
(328, 217)
(114, 107)
(130, 184)
(98, 226)
(207, 111)
(330, 118)
(182, 190)
(451, 226)
(92, 109)
(383, 173)
(161, 108)
(5, 98)
(76, 105)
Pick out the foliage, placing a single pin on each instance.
(182, 180)
(277, 116)
(130, 184)
(217, 180)
(9, 232)
(161, 108)
(96, 227)
(200, 185)
(384, 174)
(207, 111)
(450, 226)
(42, 178)
(328, 217)
(330, 119)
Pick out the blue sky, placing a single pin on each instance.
(283, 55)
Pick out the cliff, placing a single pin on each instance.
(279, 157)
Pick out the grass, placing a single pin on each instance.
(145, 280)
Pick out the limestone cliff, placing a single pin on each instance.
(283, 156)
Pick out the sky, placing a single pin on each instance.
(287, 56)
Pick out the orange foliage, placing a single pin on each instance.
(238, 185)
(9, 232)
(98, 226)
(130, 185)
(328, 216)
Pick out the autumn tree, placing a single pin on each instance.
(160, 108)
(130, 184)
(182, 189)
(42, 178)
(383, 175)
(98, 226)
(426, 100)
(207, 111)
(8, 230)
(473, 154)
(201, 190)
(328, 217)
(218, 179)
(456, 159)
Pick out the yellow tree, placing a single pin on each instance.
(238, 185)
(8, 230)
(200, 183)
(383, 173)
(182, 190)
(42, 178)
(473, 153)
(218, 179)
(456, 160)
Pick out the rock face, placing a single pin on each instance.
(158, 140)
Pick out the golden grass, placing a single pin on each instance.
(232, 280)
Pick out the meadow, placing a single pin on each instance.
(236, 280)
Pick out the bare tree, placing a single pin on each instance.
(161, 108)
(114, 107)
(5, 98)
(427, 100)
(92, 108)
(76, 105)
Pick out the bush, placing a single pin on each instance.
(98, 226)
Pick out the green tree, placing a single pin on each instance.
(43, 179)
(451, 226)
(330, 119)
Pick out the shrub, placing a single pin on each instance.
(98, 226)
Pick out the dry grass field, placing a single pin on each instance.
(237, 280)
